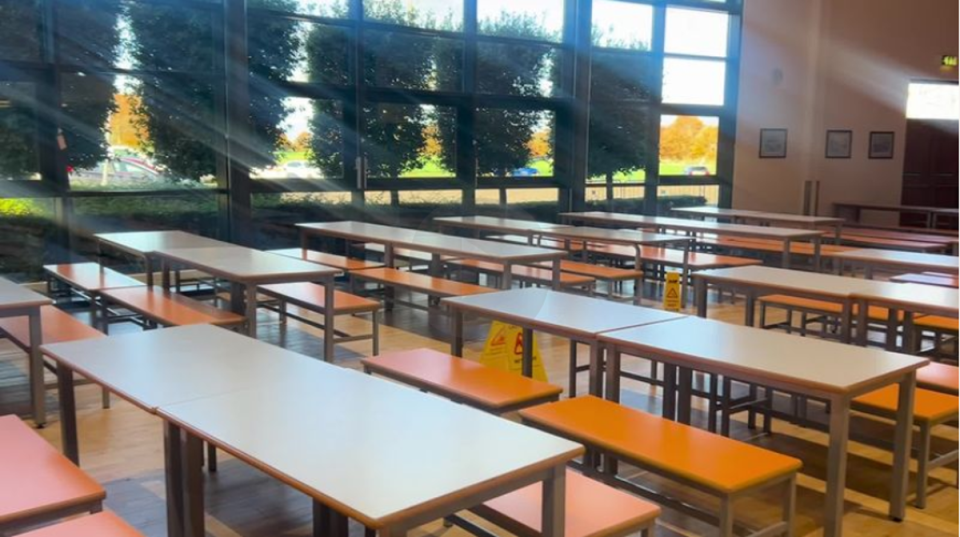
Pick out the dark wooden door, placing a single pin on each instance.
(930, 168)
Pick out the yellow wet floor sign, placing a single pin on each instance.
(504, 350)
(671, 294)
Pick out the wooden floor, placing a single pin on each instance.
(121, 447)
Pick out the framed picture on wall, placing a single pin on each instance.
(881, 144)
(773, 143)
(839, 144)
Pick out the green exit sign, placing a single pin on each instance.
(948, 60)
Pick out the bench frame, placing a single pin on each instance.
(608, 473)
(279, 304)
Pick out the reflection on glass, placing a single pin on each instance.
(700, 33)
(622, 25)
(688, 145)
(18, 131)
(619, 76)
(409, 141)
(532, 19)
(514, 143)
(88, 32)
(517, 69)
(147, 133)
(617, 143)
(432, 14)
(19, 30)
(397, 60)
(299, 154)
(338, 9)
(26, 225)
(693, 81)
(171, 37)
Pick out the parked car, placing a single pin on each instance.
(118, 169)
(696, 170)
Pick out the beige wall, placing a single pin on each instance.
(813, 65)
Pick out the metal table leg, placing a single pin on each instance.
(68, 413)
(700, 296)
(250, 308)
(836, 466)
(684, 395)
(527, 364)
(38, 391)
(612, 390)
(173, 472)
(456, 344)
(902, 447)
(328, 320)
(554, 503)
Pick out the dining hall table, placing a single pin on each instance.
(144, 245)
(18, 301)
(815, 368)
(786, 236)
(246, 397)
(765, 218)
(436, 244)
(247, 269)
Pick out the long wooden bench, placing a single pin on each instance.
(930, 409)
(435, 288)
(461, 380)
(671, 258)
(56, 326)
(592, 509)
(541, 242)
(311, 296)
(166, 308)
(525, 274)
(411, 257)
(613, 277)
(939, 377)
(722, 467)
(771, 247)
(103, 524)
(39, 484)
(340, 262)
(89, 277)
(821, 310)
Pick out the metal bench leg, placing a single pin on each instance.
(790, 506)
(726, 516)
(211, 458)
(725, 398)
(572, 389)
(752, 409)
(714, 403)
(104, 398)
(376, 333)
(923, 465)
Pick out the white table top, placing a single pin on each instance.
(897, 208)
(492, 223)
(14, 297)
(434, 243)
(760, 215)
(794, 281)
(559, 313)
(147, 242)
(615, 236)
(914, 297)
(161, 367)
(680, 224)
(375, 451)
(241, 264)
(896, 258)
(808, 365)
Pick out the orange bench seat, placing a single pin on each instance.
(90, 276)
(39, 484)
(592, 509)
(462, 380)
(930, 409)
(436, 287)
(937, 323)
(313, 296)
(710, 462)
(103, 524)
(56, 326)
(599, 272)
(170, 309)
(329, 260)
(939, 378)
(542, 276)
(875, 313)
